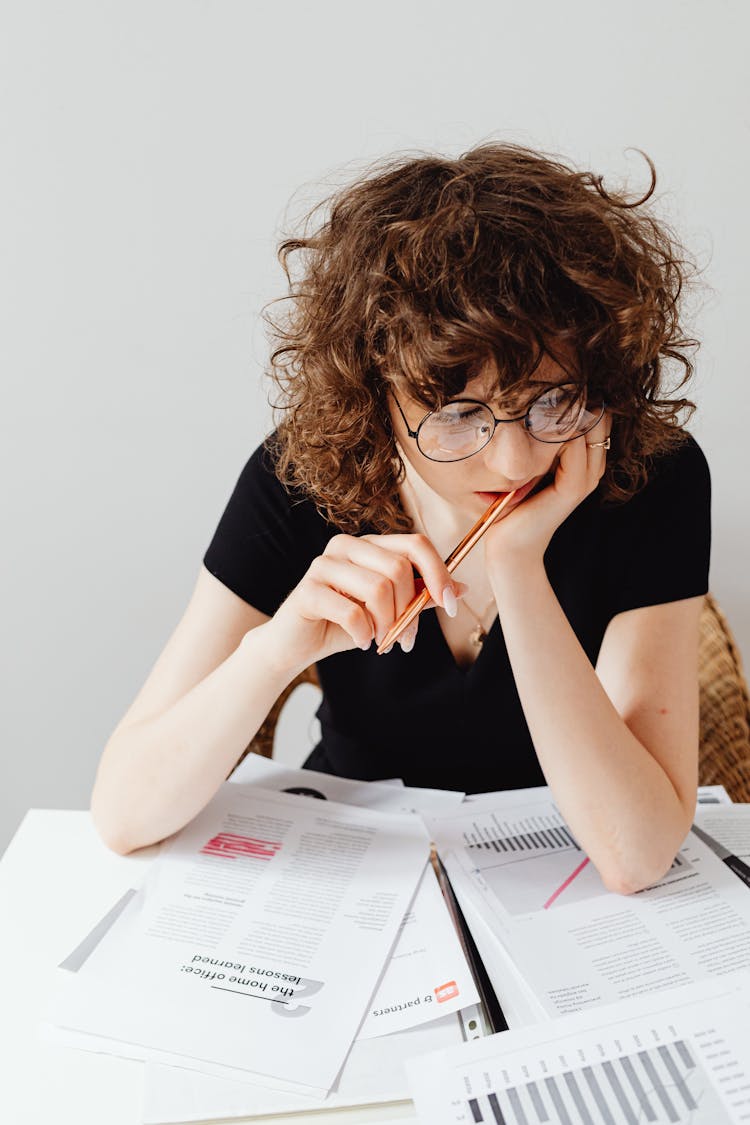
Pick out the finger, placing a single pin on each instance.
(321, 603)
(600, 432)
(570, 476)
(460, 587)
(373, 589)
(409, 636)
(368, 554)
(596, 447)
(422, 554)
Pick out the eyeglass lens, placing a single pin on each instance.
(462, 428)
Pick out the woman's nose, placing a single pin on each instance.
(510, 452)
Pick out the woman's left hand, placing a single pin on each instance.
(522, 537)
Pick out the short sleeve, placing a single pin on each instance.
(266, 539)
(658, 543)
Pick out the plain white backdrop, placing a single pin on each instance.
(153, 152)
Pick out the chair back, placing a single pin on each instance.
(724, 707)
(263, 742)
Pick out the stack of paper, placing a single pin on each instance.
(291, 949)
(528, 889)
(272, 931)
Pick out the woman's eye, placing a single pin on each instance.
(555, 398)
(460, 415)
(556, 402)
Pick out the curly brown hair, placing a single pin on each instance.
(425, 269)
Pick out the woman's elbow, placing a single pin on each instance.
(110, 828)
(109, 833)
(621, 882)
(622, 879)
(635, 864)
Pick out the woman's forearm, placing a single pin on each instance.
(157, 774)
(617, 798)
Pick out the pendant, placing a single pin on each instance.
(476, 636)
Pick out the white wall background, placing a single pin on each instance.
(149, 152)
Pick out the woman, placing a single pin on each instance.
(458, 329)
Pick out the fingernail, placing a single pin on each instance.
(388, 650)
(408, 639)
(450, 605)
(365, 645)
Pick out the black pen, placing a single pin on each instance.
(492, 1011)
(733, 862)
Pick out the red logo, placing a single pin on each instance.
(230, 846)
(446, 991)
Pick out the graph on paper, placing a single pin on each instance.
(663, 1084)
(681, 1058)
(533, 862)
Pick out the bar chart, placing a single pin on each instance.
(534, 863)
(680, 1057)
(537, 833)
(661, 1084)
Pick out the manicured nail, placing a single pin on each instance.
(388, 650)
(450, 605)
(365, 645)
(408, 639)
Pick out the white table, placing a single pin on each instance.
(57, 879)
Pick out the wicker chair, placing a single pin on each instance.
(724, 709)
(724, 706)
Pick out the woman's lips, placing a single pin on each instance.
(488, 497)
(520, 493)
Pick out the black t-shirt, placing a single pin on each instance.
(418, 715)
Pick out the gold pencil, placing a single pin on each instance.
(469, 541)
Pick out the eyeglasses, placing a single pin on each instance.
(463, 427)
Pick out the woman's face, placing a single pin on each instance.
(511, 459)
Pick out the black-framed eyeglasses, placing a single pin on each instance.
(463, 427)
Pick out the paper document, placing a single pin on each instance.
(517, 1000)
(373, 1072)
(427, 950)
(537, 891)
(707, 794)
(713, 795)
(387, 796)
(427, 974)
(679, 1057)
(257, 943)
(730, 826)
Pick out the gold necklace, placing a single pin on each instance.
(478, 634)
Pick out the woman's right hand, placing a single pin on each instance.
(352, 594)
